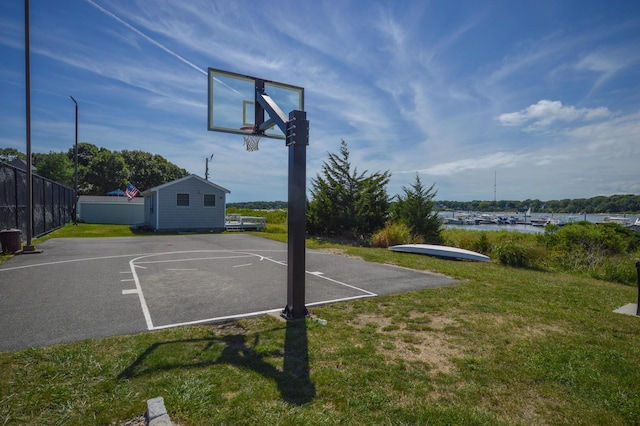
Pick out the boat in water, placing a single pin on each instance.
(539, 221)
(627, 222)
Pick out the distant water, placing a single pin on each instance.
(593, 218)
(530, 229)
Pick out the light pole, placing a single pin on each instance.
(29, 248)
(75, 202)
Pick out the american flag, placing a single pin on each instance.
(131, 191)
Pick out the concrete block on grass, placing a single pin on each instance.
(157, 413)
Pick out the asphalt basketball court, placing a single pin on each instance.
(86, 288)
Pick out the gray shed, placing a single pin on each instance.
(186, 204)
(112, 210)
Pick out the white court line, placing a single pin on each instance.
(344, 299)
(216, 319)
(125, 280)
(321, 275)
(59, 262)
(254, 314)
(188, 260)
(143, 303)
(134, 263)
(133, 266)
(258, 313)
(240, 266)
(341, 283)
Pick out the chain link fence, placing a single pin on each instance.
(53, 203)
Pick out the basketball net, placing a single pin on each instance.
(251, 141)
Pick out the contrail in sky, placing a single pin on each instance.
(146, 37)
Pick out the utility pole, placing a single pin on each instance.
(206, 167)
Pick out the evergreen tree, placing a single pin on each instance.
(415, 209)
(346, 203)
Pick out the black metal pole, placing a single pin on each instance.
(297, 139)
(638, 275)
(75, 204)
(27, 72)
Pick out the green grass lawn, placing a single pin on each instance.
(87, 230)
(507, 346)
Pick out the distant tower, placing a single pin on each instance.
(495, 201)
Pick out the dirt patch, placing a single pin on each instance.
(439, 322)
(429, 344)
(513, 325)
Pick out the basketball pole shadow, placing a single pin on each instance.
(298, 389)
(293, 380)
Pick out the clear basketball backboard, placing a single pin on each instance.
(233, 108)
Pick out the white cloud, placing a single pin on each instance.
(546, 112)
(490, 161)
(608, 63)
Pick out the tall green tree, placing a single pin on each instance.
(86, 153)
(148, 170)
(415, 208)
(57, 167)
(9, 154)
(106, 172)
(344, 202)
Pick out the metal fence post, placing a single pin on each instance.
(638, 275)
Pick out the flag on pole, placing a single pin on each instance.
(131, 191)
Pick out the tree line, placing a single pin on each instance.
(627, 203)
(361, 198)
(259, 205)
(101, 170)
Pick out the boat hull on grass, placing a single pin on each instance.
(441, 251)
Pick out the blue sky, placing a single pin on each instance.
(540, 98)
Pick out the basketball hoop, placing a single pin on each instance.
(251, 141)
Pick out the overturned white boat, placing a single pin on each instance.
(441, 251)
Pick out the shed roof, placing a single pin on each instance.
(165, 185)
(109, 199)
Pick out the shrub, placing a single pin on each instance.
(599, 250)
(512, 253)
(596, 240)
(394, 233)
(620, 270)
(482, 245)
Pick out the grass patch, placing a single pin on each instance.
(87, 230)
(508, 345)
